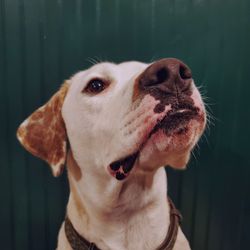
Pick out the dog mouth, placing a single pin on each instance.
(174, 122)
(120, 169)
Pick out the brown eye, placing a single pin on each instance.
(95, 86)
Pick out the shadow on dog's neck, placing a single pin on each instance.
(101, 207)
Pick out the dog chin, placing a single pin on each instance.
(163, 147)
(168, 149)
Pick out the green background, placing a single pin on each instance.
(43, 42)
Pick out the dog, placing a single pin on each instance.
(115, 126)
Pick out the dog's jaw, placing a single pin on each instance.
(167, 140)
(173, 150)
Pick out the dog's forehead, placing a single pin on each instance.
(118, 72)
(131, 67)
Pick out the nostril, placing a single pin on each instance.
(185, 73)
(162, 75)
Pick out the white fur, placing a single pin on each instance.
(134, 213)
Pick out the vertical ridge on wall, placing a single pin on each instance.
(5, 171)
(98, 16)
(152, 26)
(14, 72)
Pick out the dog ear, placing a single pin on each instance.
(43, 133)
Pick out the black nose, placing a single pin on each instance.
(169, 75)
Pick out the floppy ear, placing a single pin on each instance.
(43, 133)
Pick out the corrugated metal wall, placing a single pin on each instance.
(43, 42)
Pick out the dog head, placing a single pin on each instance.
(119, 117)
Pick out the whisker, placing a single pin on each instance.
(153, 58)
(193, 154)
(94, 60)
(91, 60)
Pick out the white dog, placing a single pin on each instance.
(115, 126)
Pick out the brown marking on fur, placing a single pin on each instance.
(74, 172)
(77, 200)
(43, 133)
(73, 167)
(136, 90)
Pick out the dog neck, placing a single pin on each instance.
(133, 209)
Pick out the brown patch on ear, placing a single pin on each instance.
(73, 167)
(43, 133)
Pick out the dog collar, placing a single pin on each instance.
(77, 242)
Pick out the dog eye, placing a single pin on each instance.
(95, 86)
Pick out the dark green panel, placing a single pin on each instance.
(44, 42)
(15, 79)
(5, 173)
